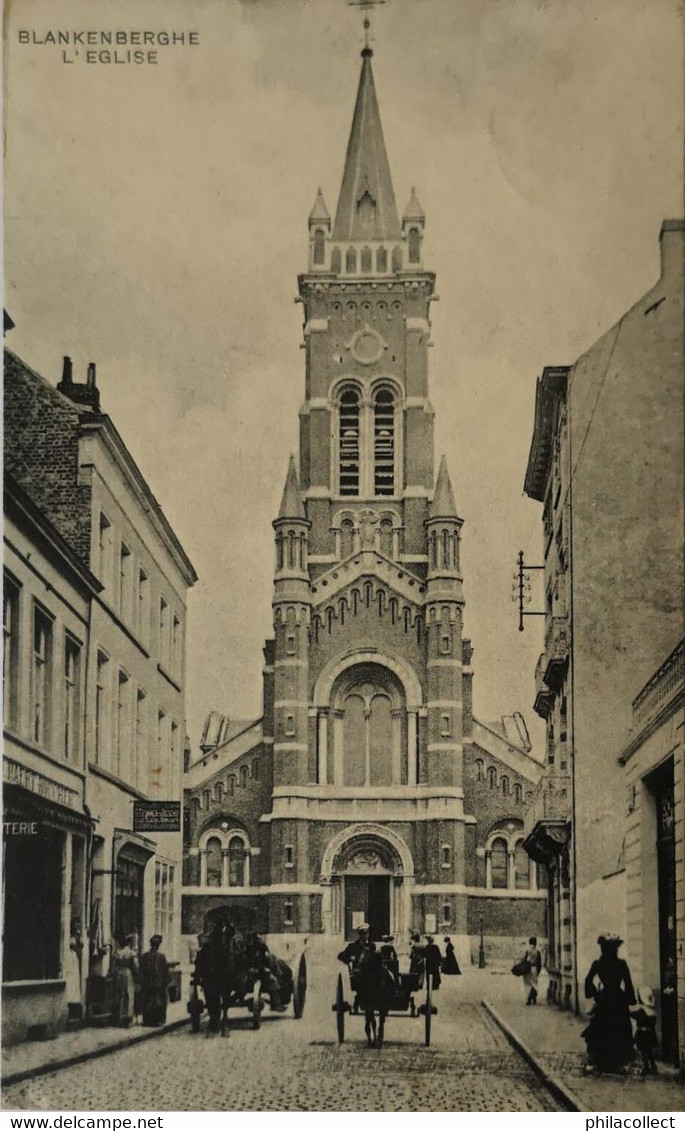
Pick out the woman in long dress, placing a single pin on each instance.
(124, 966)
(449, 962)
(609, 1035)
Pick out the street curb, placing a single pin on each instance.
(558, 1089)
(91, 1054)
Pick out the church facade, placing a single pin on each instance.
(366, 791)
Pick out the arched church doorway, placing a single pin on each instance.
(367, 870)
(366, 880)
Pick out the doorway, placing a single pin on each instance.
(662, 785)
(367, 900)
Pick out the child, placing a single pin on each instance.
(644, 1016)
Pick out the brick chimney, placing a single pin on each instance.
(86, 395)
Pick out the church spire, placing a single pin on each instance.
(366, 206)
(443, 504)
(291, 503)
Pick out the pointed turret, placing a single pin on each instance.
(413, 211)
(366, 206)
(319, 213)
(443, 527)
(443, 504)
(291, 503)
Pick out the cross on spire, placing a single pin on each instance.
(365, 6)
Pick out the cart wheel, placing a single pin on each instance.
(429, 1008)
(340, 1010)
(300, 988)
(257, 1004)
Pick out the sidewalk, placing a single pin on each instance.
(553, 1038)
(35, 1058)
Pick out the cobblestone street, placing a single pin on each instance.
(298, 1066)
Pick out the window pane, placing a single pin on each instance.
(214, 862)
(384, 444)
(354, 744)
(349, 443)
(522, 866)
(499, 863)
(380, 741)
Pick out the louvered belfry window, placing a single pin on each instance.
(349, 443)
(384, 443)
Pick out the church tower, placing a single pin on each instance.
(367, 818)
(366, 791)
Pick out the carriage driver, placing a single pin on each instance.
(354, 951)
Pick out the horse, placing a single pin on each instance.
(222, 969)
(375, 988)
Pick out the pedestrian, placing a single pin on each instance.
(154, 983)
(609, 1035)
(389, 957)
(532, 960)
(644, 1016)
(449, 962)
(433, 959)
(124, 967)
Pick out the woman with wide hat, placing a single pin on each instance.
(609, 1035)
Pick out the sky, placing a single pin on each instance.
(156, 221)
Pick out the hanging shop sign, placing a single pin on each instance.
(156, 816)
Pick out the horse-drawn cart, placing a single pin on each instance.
(239, 972)
(383, 997)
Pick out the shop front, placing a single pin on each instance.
(45, 845)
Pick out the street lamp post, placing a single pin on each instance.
(481, 946)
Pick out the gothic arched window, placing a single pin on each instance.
(386, 537)
(414, 246)
(236, 862)
(366, 263)
(213, 850)
(381, 260)
(384, 443)
(335, 261)
(521, 866)
(397, 259)
(518, 792)
(498, 863)
(505, 785)
(492, 777)
(319, 247)
(350, 260)
(346, 538)
(349, 442)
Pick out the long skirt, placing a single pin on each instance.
(154, 1003)
(123, 997)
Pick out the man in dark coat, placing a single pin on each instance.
(154, 982)
(433, 959)
(354, 951)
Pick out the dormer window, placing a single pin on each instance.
(366, 208)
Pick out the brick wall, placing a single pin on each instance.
(41, 452)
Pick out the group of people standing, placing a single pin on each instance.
(424, 957)
(609, 1035)
(141, 983)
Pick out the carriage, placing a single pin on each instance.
(400, 1000)
(237, 971)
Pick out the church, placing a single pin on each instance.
(367, 790)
